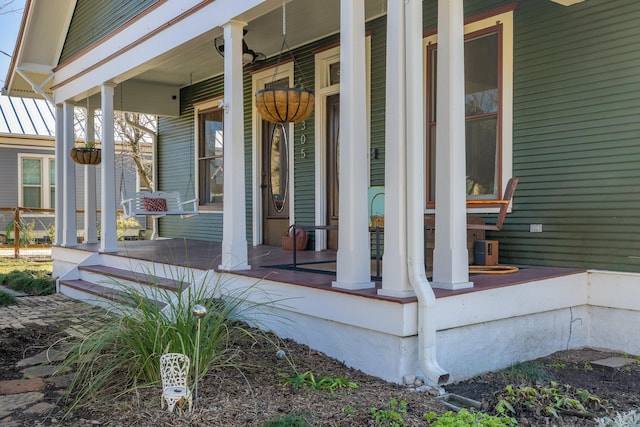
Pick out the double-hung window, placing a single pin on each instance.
(488, 66)
(37, 181)
(210, 149)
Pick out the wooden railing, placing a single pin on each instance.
(18, 214)
(17, 228)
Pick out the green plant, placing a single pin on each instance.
(392, 416)
(349, 410)
(124, 353)
(27, 231)
(527, 372)
(289, 420)
(307, 379)
(625, 419)
(553, 400)
(587, 367)
(6, 299)
(124, 224)
(466, 418)
(51, 233)
(32, 282)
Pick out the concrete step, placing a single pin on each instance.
(136, 277)
(100, 291)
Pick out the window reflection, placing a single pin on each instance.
(210, 157)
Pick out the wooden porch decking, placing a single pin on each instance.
(270, 262)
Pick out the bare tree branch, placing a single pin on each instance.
(6, 8)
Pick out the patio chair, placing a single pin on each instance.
(504, 207)
(174, 370)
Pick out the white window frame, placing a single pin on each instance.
(506, 132)
(199, 107)
(323, 89)
(45, 185)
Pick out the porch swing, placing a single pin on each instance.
(157, 204)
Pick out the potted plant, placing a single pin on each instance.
(284, 104)
(87, 154)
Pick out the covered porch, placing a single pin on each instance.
(375, 333)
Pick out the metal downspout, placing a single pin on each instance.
(416, 196)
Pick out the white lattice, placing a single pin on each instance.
(174, 369)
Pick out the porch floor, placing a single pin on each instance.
(273, 263)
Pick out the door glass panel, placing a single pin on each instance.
(278, 167)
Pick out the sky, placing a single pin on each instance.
(9, 27)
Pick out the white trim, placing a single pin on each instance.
(258, 81)
(506, 19)
(143, 43)
(323, 90)
(212, 103)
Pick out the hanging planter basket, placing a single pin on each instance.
(284, 104)
(86, 156)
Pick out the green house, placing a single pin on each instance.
(436, 103)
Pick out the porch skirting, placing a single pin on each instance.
(477, 331)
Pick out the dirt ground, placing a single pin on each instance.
(255, 395)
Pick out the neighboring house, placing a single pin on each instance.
(544, 90)
(27, 164)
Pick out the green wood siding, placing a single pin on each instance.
(176, 165)
(94, 19)
(575, 138)
(576, 134)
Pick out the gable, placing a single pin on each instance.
(93, 20)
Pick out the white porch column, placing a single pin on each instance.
(450, 257)
(353, 269)
(395, 278)
(69, 222)
(59, 184)
(90, 215)
(234, 228)
(108, 234)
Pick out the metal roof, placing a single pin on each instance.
(26, 116)
(36, 117)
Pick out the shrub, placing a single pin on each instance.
(124, 353)
(527, 372)
(6, 299)
(32, 282)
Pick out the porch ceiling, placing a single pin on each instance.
(44, 31)
(306, 20)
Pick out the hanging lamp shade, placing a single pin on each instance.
(284, 104)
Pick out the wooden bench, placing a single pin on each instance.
(159, 204)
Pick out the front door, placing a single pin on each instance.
(333, 160)
(275, 182)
